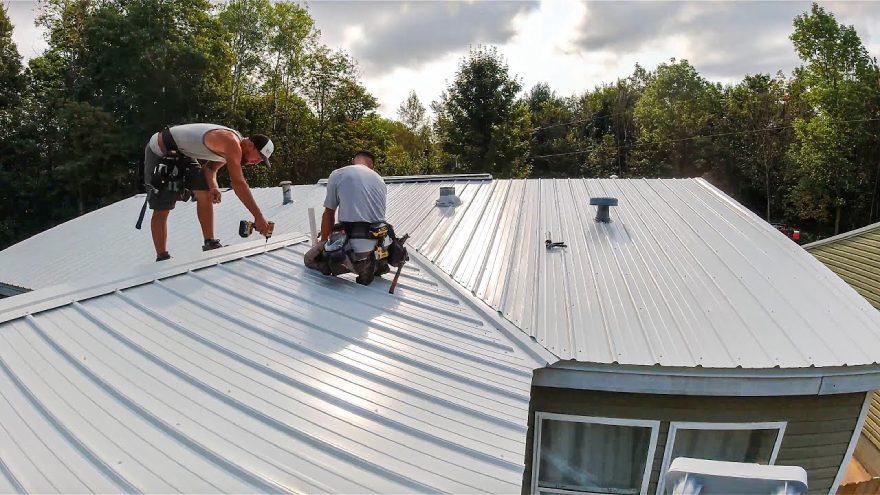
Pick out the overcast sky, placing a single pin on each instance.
(573, 45)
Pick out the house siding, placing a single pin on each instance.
(856, 259)
(818, 431)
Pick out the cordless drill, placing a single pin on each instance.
(246, 228)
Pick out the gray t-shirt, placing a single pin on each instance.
(357, 193)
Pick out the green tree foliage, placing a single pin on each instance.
(838, 87)
(676, 107)
(479, 121)
(756, 127)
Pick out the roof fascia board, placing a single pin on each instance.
(703, 381)
(533, 349)
(840, 237)
(62, 295)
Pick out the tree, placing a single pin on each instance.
(673, 112)
(12, 81)
(412, 113)
(479, 120)
(757, 122)
(838, 84)
(246, 22)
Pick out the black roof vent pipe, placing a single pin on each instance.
(603, 213)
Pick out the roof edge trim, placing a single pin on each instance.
(734, 382)
(61, 295)
(840, 237)
(533, 349)
(398, 179)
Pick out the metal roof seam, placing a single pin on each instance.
(379, 350)
(794, 342)
(386, 328)
(273, 422)
(99, 464)
(539, 354)
(656, 289)
(319, 443)
(709, 276)
(254, 479)
(488, 341)
(340, 364)
(176, 371)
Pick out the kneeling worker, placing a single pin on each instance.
(356, 195)
(172, 170)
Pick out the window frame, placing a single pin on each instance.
(654, 425)
(674, 426)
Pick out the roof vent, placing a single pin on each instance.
(448, 197)
(285, 191)
(603, 213)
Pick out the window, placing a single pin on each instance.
(584, 455)
(734, 442)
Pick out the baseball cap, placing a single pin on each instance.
(264, 145)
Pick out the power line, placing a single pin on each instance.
(536, 129)
(720, 134)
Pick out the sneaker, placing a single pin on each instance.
(163, 256)
(211, 244)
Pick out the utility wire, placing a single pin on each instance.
(719, 134)
(597, 117)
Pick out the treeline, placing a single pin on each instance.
(801, 149)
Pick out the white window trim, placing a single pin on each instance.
(674, 426)
(536, 444)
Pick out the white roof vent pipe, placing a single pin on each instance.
(286, 192)
(448, 197)
(603, 212)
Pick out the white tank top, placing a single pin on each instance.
(190, 139)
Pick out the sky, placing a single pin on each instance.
(572, 45)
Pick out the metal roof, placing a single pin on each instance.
(683, 276)
(245, 372)
(105, 241)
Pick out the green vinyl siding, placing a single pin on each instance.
(855, 257)
(818, 431)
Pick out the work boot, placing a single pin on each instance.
(163, 256)
(211, 244)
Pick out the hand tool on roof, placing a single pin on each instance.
(399, 268)
(246, 228)
(550, 244)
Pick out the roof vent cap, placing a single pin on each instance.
(603, 212)
(286, 193)
(448, 197)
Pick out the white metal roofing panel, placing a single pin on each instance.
(258, 375)
(105, 240)
(683, 276)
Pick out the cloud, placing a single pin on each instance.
(27, 36)
(385, 35)
(724, 40)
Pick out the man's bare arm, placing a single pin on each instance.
(227, 144)
(328, 219)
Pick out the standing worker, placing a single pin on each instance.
(172, 171)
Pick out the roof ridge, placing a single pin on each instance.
(840, 237)
(59, 295)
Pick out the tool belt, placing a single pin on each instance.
(172, 170)
(394, 253)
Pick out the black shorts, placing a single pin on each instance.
(165, 200)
